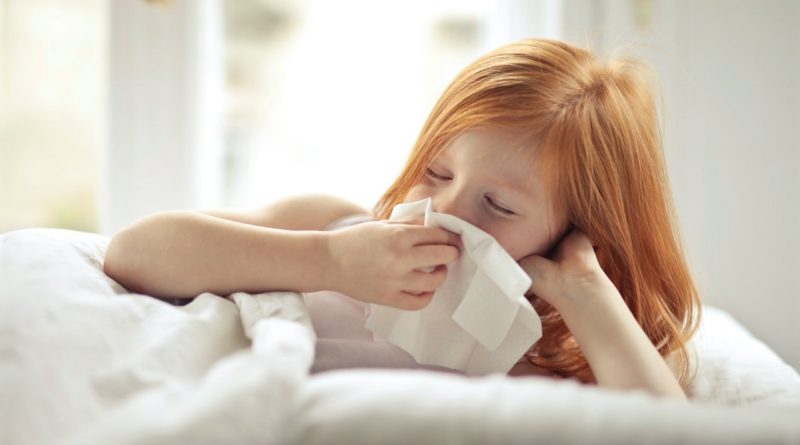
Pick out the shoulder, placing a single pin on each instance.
(303, 212)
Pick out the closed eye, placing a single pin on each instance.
(499, 208)
(432, 174)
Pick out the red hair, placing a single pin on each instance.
(598, 136)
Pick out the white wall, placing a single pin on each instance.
(730, 74)
(742, 156)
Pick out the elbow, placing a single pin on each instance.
(120, 261)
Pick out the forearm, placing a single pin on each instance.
(182, 254)
(620, 354)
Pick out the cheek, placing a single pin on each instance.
(520, 242)
(417, 193)
(516, 249)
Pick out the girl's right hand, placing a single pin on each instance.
(385, 262)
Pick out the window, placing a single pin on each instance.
(329, 96)
(52, 80)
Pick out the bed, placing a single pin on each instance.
(86, 362)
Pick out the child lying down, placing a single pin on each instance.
(538, 149)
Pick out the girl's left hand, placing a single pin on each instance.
(617, 349)
(572, 276)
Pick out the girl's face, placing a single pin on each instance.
(490, 179)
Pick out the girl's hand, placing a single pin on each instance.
(380, 262)
(615, 346)
(572, 277)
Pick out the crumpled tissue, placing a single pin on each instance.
(478, 321)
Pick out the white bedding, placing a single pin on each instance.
(84, 362)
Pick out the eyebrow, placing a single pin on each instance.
(499, 181)
(515, 187)
(443, 153)
(515, 184)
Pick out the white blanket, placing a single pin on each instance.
(83, 361)
(86, 362)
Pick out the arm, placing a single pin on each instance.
(619, 352)
(307, 212)
(184, 253)
(279, 247)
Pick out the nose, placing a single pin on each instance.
(453, 203)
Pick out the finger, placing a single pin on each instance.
(575, 244)
(582, 247)
(419, 282)
(420, 234)
(542, 272)
(412, 301)
(411, 220)
(433, 255)
(435, 235)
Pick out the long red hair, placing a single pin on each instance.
(597, 131)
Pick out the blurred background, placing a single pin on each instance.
(114, 109)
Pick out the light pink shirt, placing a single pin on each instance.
(342, 340)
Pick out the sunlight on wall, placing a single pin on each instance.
(322, 100)
(52, 78)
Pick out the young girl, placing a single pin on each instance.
(554, 154)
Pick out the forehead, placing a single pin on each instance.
(507, 156)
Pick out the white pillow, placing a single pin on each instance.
(735, 368)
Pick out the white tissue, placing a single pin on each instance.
(478, 321)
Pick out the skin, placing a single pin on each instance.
(481, 177)
(489, 179)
